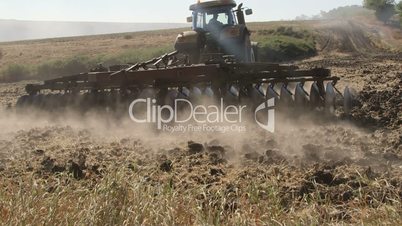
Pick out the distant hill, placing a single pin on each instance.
(15, 30)
(278, 41)
(343, 12)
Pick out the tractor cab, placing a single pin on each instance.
(218, 31)
(213, 19)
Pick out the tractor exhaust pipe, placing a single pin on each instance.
(240, 15)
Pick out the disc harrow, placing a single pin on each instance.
(167, 78)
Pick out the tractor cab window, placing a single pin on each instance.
(213, 19)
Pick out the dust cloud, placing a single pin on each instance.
(297, 140)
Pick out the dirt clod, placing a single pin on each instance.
(166, 166)
(252, 156)
(39, 152)
(216, 172)
(323, 177)
(219, 149)
(75, 170)
(195, 148)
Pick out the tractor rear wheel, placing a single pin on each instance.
(248, 54)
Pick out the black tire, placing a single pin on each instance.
(248, 50)
(22, 101)
(38, 101)
(255, 52)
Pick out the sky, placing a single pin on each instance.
(169, 11)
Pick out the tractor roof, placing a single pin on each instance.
(212, 4)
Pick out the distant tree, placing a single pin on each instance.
(384, 9)
(346, 12)
(399, 10)
(302, 17)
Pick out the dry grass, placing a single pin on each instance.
(40, 57)
(41, 51)
(126, 198)
(43, 59)
(123, 183)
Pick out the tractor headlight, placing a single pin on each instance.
(187, 37)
